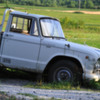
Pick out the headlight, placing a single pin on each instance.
(97, 65)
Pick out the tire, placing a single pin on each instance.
(63, 70)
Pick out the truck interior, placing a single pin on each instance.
(21, 25)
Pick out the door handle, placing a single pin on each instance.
(9, 35)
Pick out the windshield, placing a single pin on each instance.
(51, 28)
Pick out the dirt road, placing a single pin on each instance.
(73, 11)
(85, 12)
(16, 88)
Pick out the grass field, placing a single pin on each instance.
(89, 35)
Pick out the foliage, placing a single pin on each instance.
(55, 85)
(89, 4)
(36, 97)
(86, 84)
(66, 3)
(68, 23)
(30, 95)
(92, 84)
(4, 96)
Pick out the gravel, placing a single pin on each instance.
(15, 88)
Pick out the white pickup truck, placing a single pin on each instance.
(36, 43)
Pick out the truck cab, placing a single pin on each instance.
(36, 43)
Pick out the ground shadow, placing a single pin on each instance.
(16, 74)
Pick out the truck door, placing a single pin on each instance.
(21, 44)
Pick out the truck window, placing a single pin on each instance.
(51, 28)
(21, 25)
(34, 28)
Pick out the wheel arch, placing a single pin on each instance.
(58, 58)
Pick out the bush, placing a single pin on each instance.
(68, 23)
(92, 84)
(78, 12)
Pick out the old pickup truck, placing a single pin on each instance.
(36, 43)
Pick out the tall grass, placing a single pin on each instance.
(86, 84)
(83, 36)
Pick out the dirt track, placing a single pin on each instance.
(85, 12)
(15, 87)
(73, 11)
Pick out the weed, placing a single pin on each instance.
(36, 97)
(26, 94)
(12, 98)
(2, 92)
(4, 96)
(85, 85)
(92, 84)
(55, 85)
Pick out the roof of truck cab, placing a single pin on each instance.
(29, 15)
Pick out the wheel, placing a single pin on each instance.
(64, 70)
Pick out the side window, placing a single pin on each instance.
(35, 29)
(21, 25)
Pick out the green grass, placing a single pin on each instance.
(55, 85)
(30, 95)
(83, 37)
(94, 19)
(4, 96)
(86, 85)
(36, 97)
(90, 34)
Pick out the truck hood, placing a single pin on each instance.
(95, 52)
(83, 48)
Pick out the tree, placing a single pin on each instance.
(38, 2)
(1, 1)
(67, 2)
(72, 4)
(54, 3)
(84, 4)
(89, 4)
(59, 2)
(6, 3)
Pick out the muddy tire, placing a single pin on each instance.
(64, 70)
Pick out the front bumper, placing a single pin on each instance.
(91, 76)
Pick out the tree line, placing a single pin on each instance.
(53, 3)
